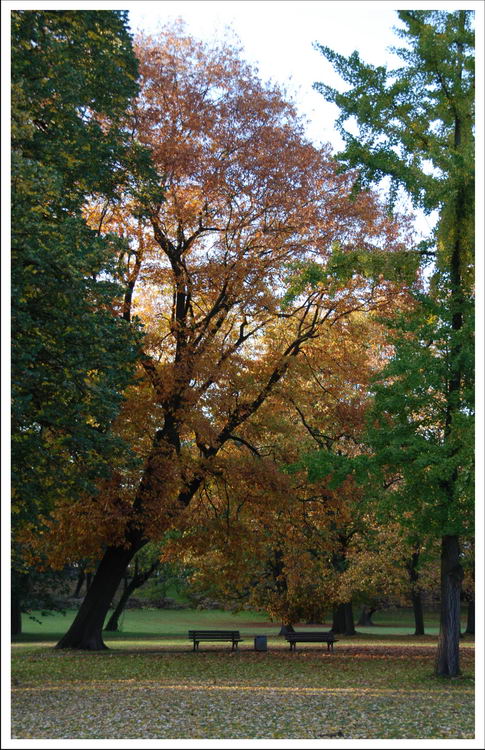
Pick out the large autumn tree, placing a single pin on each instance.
(248, 203)
(415, 125)
(297, 543)
(73, 75)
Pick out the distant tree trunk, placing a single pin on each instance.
(343, 619)
(138, 580)
(470, 620)
(418, 612)
(365, 617)
(80, 580)
(448, 656)
(15, 615)
(286, 629)
(112, 625)
(412, 568)
(86, 630)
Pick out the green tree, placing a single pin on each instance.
(73, 75)
(415, 126)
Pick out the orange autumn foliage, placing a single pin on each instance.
(248, 202)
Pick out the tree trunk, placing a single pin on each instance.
(112, 624)
(448, 656)
(470, 620)
(286, 629)
(365, 617)
(343, 619)
(138, 580)
(412, 568)
(86, 629)
(79, 584)
(418, 612)
(15, 615)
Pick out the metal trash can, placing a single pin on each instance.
(261, 643)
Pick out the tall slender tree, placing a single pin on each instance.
(416, 126)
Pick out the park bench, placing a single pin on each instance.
(311, 636)
(215, 635)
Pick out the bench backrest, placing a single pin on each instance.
(214, 633)
(310, 634)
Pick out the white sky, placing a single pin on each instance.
(278, 36)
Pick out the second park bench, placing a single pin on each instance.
(311, 636)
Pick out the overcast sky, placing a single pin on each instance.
(278, 37)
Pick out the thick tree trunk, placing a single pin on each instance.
(86, 630)
(15, 615)
(448, 657)
(365, 617)
(343, 619)
(470, 620)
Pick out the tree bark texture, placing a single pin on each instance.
(448, 656)
(86, 630)
(343, 619)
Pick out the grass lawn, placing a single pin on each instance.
(150, 685)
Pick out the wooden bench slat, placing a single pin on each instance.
(214, 632)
